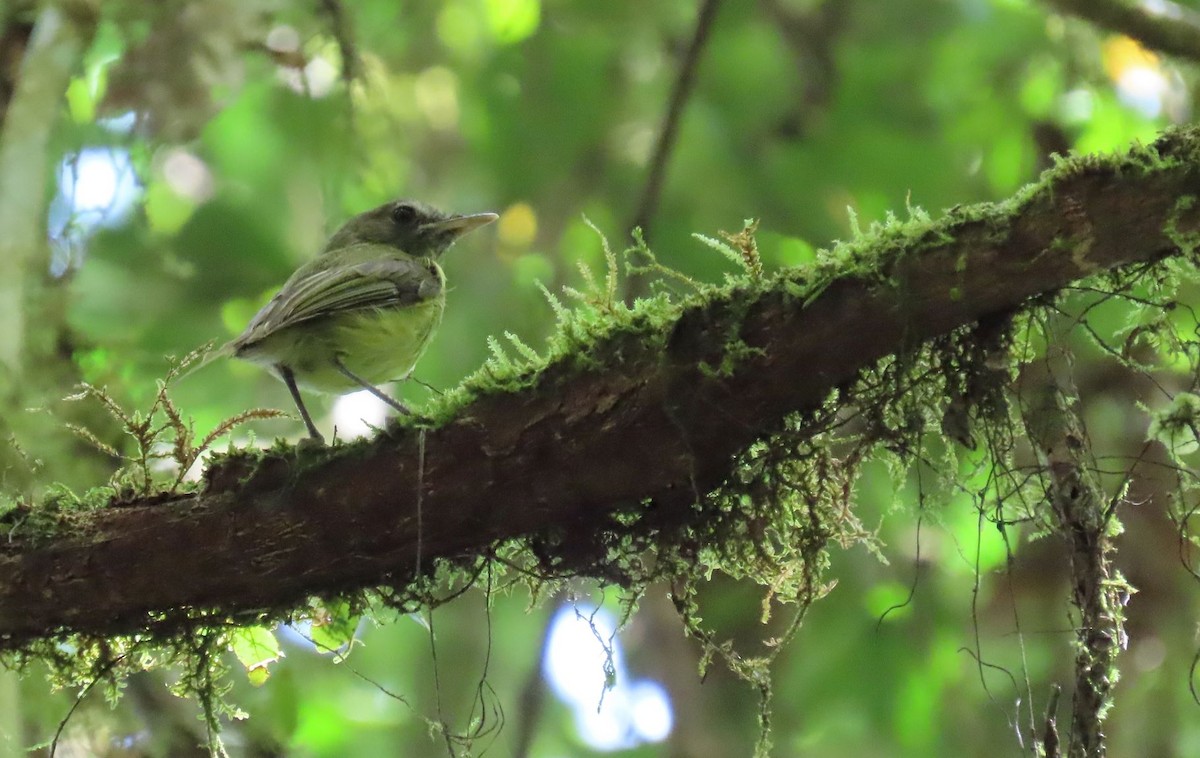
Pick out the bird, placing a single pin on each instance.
(363, 311)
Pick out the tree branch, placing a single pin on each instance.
(342, 32)
(1164, 26)
(639, 425)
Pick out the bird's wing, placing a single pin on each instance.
(323, 290)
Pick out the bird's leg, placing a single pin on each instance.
(371, 387)
(290, 380)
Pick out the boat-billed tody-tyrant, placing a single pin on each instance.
(361, 313)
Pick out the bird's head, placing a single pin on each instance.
(416, 228)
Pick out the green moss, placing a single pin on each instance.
(1187, 242)
(59, 512)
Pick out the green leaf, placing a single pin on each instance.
(333, 628)
(256, 648)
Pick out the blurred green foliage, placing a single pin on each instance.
(249, 148)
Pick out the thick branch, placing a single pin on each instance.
(1164, 26)
(643, 420)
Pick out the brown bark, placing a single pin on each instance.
(555, 461)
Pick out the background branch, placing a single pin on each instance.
(1164, 26)
(647, 205)
(1083, 520)
(343, 33)
(59, 37)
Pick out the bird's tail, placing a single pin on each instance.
(196, 360)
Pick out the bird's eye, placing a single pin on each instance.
(404, 213)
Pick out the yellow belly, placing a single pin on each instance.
(378, 345)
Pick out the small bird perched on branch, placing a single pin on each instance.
(362, 312)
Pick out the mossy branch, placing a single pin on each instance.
(1085, 520)
(621, 435)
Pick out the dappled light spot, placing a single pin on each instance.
(187, 175)
(584, 666)
(1141, 81)
(436, 93)
(518, 225)
(283, 39)
(356, 413)
(97, 187)
(511, 21)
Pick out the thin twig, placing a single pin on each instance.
(1050, 740)
(62, 725)
(812, 33)
(684, 83)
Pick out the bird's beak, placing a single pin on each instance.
(459, 225)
